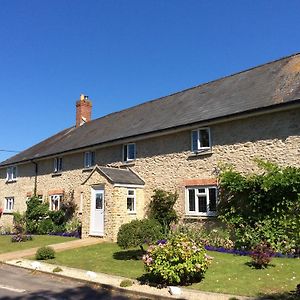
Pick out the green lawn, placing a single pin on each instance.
(38, 241)
(227, 273)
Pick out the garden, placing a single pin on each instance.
(251, 249)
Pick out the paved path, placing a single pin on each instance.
(57, 247)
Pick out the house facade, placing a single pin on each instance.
(111, 165)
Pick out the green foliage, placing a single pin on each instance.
(40, 220)
(44, 253)
(208, 234)
(162, 209)
(138, 232)
(126, 283)
(177, 261)
(19, 221)
(262, 207)
(57, 270)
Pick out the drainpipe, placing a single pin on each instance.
(35, 177)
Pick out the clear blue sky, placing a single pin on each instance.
(122, 53)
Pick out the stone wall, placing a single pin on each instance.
(163, 162)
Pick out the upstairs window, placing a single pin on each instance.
(201, 201)
(89, 159)
(57, 167)
(55, 202)
(131, 203)
(201, 139)
(9, 204)
(129, 152)
(11, 174)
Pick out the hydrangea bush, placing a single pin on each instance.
(179, 260)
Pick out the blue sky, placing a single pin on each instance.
(122, 53)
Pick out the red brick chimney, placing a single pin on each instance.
(83, 110)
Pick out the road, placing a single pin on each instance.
(21, 284)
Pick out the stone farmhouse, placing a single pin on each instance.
(111, 165)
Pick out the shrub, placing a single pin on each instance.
(57, 270)
(44, 253)
(177, 261)
(214, 235)
(262, 206)
(126, 283)
(162, 209)
(19, 221)
(139, 232)
(17, 238)
(262, 255)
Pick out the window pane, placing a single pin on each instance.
(202, 204)
(212, 199)
(204, 138)
(131, 151)
(130, 192)
(130, 204)
(99, 201)
(194, 140)
(201, 191)
(192, 203)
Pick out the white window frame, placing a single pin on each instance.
(11, 174)
(56, 197)
(199, 147)
(9, 204)
(208, 213)
(89, 159)
(125, 157)
(132, 198)
(57, 164)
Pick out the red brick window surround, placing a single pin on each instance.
(201, 197)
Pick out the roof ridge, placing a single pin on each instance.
(197, 86)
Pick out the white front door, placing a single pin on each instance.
(97, 212)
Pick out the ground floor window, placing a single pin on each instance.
(201, 201)
(131, 201)
(55, 202)
(9, 204)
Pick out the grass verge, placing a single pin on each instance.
(38, 241)
(228, 273)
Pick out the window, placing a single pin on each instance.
(201, 139)
(201, 201)
(9, 204)
(129, 152)
(11, 174)
(55, 201)
(131, 201)
(89, 159)
(57, 164)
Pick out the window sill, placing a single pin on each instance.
(199, 216)
(8, 212)
(130, 163)
(131, 213)
(89, 169)
(56, 174)
(201, 152)
(11, 181)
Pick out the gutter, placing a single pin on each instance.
(35, 177)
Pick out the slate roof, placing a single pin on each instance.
(118, 175)
(121, 176)
(274, 83)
